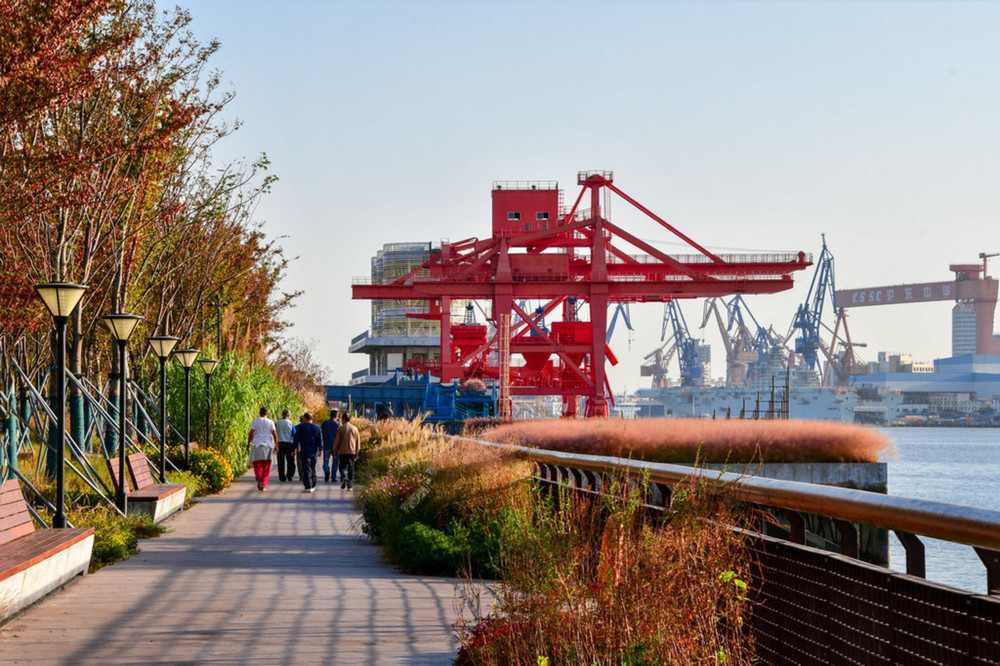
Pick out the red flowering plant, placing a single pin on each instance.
(384, 498)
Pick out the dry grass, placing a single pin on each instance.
(603, 583)
(578, 581)
(469, 477)
(685, 440)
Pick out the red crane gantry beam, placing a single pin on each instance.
(577, 257)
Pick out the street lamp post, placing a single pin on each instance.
(61, 298)
(208, 365)
(187, 358)
(162, 346)
(122, 326)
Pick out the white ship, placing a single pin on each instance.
(846, 405)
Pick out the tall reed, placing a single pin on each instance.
(239, 388)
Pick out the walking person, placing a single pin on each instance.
(286, 450)
(308, 440)
(262, 441)
(329, 429)
(347, 447)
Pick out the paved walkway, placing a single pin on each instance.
(246, 577)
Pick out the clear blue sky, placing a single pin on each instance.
(748, 125)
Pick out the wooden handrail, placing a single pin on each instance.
(967, 525)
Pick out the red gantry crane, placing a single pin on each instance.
(563, 259)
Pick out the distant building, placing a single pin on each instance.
(963, 329)
(955, 384)
(401, 332)
(395, 338)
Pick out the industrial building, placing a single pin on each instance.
(398, 334)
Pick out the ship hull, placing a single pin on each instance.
(819, 404)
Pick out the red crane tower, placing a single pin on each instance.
(971, 286)
(562, 259)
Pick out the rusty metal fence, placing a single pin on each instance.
(813, 606)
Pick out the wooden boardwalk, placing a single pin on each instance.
(246, 577)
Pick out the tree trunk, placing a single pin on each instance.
(78, 424)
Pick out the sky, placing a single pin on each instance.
(750, 126)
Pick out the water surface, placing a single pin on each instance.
(954, 465)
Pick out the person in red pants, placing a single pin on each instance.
(261, 442)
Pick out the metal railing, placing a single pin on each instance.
(972, 526)
(816, 606)
(525, 185)
(741, 258)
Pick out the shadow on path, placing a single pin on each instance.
(246, 577)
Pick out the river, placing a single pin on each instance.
(954, 465)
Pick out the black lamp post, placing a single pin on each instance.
(187, 358)
(122, 326)
(162, 346)
(61, 298)
(208, 365)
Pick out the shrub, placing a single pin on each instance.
(213, 472)
(436, 505)
(196, 485)
(116, 537)
(578, 580)
(381, 500)
(423, 549)
(212, 468)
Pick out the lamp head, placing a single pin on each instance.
(60, 298)
(208, 365)
(163, 344)
(122, 325)
(186, 357)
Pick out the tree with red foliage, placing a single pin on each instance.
(108, 117)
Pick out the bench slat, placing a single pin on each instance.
(15, 521)
(138, 468)
(113, 471)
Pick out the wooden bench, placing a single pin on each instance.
(157, 500)
(35, 562)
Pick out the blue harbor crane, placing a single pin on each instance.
(621, 309)
(760, 339)
(691, 354)
(808, 318)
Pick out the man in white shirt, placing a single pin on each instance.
(261, 442)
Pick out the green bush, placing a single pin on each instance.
(116, 537)
(196, 485)
(212, 472)
(435, 506)
(209, 465)
(419, 547)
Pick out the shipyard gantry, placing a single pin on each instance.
(576, 262)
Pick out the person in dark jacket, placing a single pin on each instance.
(308, 440)
(329, 437)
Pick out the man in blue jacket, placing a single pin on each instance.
(329, 429)
(308, 440)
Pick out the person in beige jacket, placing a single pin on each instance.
(347, 446)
